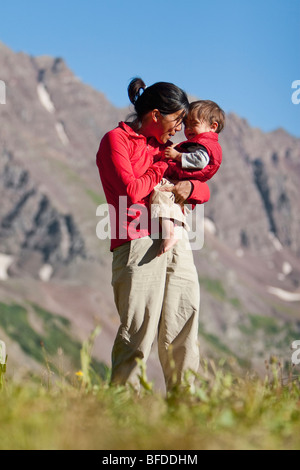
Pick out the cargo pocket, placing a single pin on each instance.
(120, 260)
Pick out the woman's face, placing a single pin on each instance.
(167, 126)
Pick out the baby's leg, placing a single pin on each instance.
(170, 215)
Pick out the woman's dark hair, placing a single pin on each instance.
(164, 96)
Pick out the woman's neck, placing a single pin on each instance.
(141, 128)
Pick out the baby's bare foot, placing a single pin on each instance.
(166, 245)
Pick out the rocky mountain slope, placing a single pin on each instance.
(51, 258)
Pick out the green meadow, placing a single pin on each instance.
(81, 411)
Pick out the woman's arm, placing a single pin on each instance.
(191, 192)
(120, 171)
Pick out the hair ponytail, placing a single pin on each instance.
(134, 89)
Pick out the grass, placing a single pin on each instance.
(277, 333)
(226, 411)
(53, 336)
(215, 341)
(216, 289)
(77, 409)
(14, 320)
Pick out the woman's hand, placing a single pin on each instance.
(182, 191)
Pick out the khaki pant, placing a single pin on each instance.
(155, 295)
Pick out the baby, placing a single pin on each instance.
(197, 158)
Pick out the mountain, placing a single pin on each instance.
(54, 268)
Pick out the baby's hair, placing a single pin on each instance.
(208, 111)
(164, 96)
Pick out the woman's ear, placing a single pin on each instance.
(155, 114)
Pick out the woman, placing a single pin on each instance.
(152, 294)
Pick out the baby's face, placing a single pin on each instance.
(193, 127)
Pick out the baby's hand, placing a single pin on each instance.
(171, 153)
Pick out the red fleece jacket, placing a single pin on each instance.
(128, 174)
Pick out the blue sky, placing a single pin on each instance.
(242, 54)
